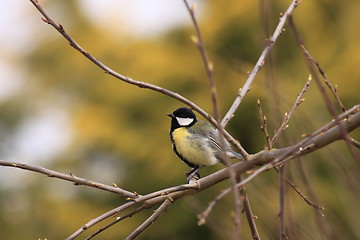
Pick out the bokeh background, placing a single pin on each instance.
(60, 111)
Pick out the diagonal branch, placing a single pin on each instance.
(130, 214)
(106, 215)
(242, 91)
(155, 216)
(47, 19)
(287, 116)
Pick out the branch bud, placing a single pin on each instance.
(195, 40)
(193, 7)
(211, 66)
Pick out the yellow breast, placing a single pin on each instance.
(192, 149)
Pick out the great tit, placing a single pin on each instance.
(196, 142)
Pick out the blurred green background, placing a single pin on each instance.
(60, 111)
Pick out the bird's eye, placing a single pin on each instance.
(184, 121)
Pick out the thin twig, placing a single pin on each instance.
(157, 213)
(282, 232)
(250, 218)
(310, 61)
(287, 116)
(209, 67)
(203, 215)
(355, 142)
(130, 214)
(242, 91)
(264, 126)
(247, 208)
(327, 82)
(106, 215)
(317, 207)
(321, 221)
(69, 177)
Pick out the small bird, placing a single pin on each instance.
(196, 142)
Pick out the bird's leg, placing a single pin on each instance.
(193, 174)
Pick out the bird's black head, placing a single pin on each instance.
(182, 117)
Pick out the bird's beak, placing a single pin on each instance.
(170, 115)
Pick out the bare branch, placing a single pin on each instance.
(242, 91)
(250, 217)
(209, 67)
(318, 208)
(130, 214)
(69, 177)
(281, 215)
(287, 116)
(157, 213)
(327, 82)
(106, 215)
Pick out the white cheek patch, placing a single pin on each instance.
(184, 121)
